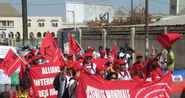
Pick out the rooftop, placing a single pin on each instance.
(6, 10)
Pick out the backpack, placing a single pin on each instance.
(56, 82)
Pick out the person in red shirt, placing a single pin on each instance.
(137, 69)
(153, 69)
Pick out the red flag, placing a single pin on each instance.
(11, 63)
(58, 58)
(74, 47)
(166, 40)
(49, 47)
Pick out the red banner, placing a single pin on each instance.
(42, 77)
(94, 87)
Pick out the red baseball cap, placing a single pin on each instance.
(139, 55)
(119, 61)
(87, 55)
(91, 48)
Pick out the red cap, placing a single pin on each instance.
(87, 55)
(103, 51)
(139, 55)
(100, 68)
(119, 61)
(91, 48)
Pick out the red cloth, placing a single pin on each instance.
(92, 86)
(74, 47)
(49, 47)
(11, 63)
(166, 40)
(42, 76)
(100, 61)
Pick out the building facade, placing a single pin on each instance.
(11, 27)
(177, 7)
(81, 13)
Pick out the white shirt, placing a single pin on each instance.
(91, 68)
(126, 77)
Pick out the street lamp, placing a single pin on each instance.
(24, 22)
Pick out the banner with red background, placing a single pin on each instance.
(95, 87)
(42, 77)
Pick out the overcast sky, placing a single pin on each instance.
(56, 7)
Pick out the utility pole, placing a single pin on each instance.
(24, 22)
(146, 30)
(132, 12)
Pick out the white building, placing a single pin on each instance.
(11, 24)
(81, 13)
(177, 7)
(37, 26)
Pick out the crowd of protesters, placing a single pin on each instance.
(110, 64)
(113, 66)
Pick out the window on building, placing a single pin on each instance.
(54, 24)
(18, 36)
(6, 23)
(39, 35)
(53, 34)
(41, 24)
(11, 35)
(44, 34)
(3, 35)
(31, 35)
(29, 22)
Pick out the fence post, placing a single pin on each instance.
(104, 38)
(165, 30)
(133, 32)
